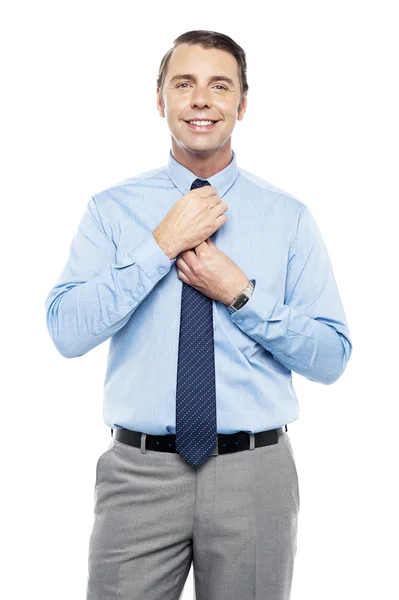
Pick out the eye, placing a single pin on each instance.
(218, 85)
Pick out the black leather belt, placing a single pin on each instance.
(226, 442)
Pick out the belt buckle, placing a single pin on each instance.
(216, 450)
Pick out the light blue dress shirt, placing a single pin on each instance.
(119, 285)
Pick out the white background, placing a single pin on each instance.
(78, 115)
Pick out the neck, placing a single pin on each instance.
(203, 164)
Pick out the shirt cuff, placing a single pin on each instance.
(257, 309)
(150, 257)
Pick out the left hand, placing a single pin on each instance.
(211, 272)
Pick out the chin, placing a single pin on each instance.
(201, 147)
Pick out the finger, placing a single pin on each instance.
(183, 277)
(200, 247)
(183, 267)
(187, 253)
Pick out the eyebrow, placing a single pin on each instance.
(193, 78)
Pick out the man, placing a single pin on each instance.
(207, 314)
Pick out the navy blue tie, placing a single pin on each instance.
(196, 394)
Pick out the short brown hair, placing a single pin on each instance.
(208, 39)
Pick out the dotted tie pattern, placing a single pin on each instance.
(196, 392)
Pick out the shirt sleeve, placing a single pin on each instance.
(94, 296)
(308, 333)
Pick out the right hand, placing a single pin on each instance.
(191, 220)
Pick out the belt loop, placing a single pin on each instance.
(216, 450)
(251, 441)
(143, 449)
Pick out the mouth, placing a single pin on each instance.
(201, 127)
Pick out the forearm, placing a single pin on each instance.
(80, 316)
(310, 347)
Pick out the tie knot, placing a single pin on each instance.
(197, 183)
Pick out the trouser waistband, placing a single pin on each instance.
(225, 442)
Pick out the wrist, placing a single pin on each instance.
(239, 290)
(242, 298)
(166, 245)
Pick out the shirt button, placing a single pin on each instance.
(131, 302)
(161, 269)
(239, 320)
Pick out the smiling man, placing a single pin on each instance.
(201, 84)
(212, 286)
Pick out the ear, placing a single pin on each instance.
(160, 104)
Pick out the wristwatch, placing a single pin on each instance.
(242, 298)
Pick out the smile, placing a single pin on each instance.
(201, 127)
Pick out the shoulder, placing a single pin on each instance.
(121, 192)
(139, 180)
(113, 201)
(272, 192)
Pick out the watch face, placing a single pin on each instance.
(240, 300)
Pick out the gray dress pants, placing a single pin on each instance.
(235, 520)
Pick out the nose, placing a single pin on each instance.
(201, 96)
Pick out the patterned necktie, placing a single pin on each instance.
(195, 395)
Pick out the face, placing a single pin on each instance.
(201, 97)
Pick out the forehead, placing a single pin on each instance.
(202, 62)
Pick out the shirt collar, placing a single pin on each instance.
(183, 177)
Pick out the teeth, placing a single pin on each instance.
(201, 122)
